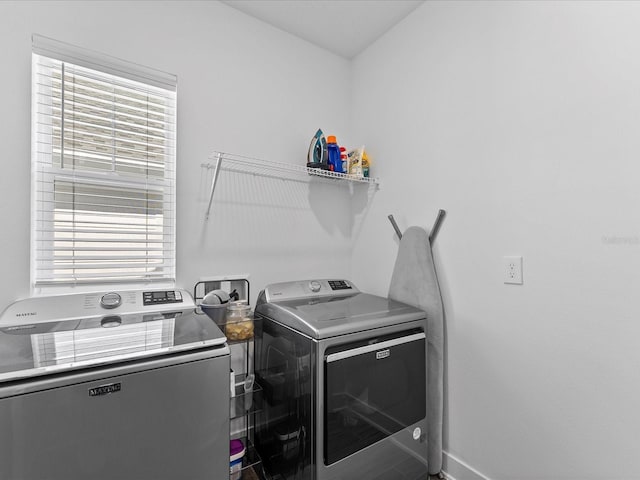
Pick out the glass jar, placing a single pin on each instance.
(239, 321)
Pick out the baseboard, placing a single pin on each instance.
(455, 469)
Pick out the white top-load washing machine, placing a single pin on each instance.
(128, 385)
(343, 375)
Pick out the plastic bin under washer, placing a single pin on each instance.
(113, 385)
(343, 375)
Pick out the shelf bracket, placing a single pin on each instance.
(216, 173)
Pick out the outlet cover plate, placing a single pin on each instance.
(512, 269)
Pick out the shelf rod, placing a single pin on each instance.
(216, 173)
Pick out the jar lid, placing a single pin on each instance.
(238, 310)
(240, 306)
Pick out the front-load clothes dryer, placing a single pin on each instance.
(343, 375)
(114, 385)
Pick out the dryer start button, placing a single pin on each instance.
(110, 300)
(315, 286)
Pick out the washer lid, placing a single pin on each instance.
(42, 348)
(329, 316)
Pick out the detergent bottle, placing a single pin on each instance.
(335, 162)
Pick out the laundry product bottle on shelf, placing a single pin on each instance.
(344, 160)
(365, 164)
(335, 163)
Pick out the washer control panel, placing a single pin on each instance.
(84, 305)
(309, 288)
(160, 297)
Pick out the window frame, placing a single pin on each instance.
(45, 172)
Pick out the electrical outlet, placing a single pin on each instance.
(512, 270)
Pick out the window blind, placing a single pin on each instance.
(103, 171)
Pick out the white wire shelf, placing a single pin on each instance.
(238, 163)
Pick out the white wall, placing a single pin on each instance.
(243, 87)
(522, 120)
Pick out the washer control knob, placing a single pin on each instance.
(315, 286)
(111, 300)
(111, 321)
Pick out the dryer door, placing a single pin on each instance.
(373, 389)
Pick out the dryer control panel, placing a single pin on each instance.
(277, 292)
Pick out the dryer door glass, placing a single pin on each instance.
(373, 389)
